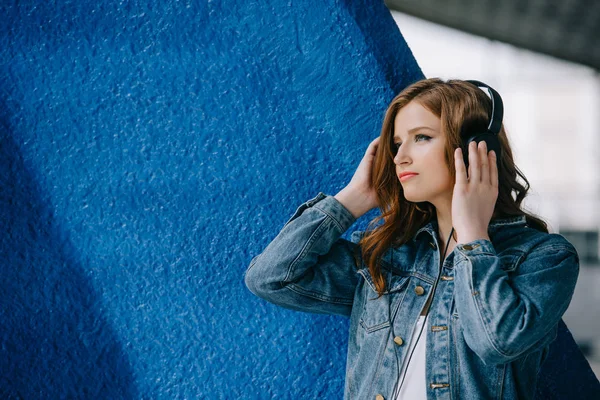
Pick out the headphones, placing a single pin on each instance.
(468, 135)
(490, 136)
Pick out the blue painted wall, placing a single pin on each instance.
(148, 149)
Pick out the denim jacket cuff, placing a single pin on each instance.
(331, 207)
(336, 210)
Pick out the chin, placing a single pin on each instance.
(411, 198)
(414, 199)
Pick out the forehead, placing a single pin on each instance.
(414, 115)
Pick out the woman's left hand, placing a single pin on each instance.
(474, 197)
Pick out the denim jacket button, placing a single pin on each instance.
(379, 397)
(398, 340)
(419, 290)
(468, 247)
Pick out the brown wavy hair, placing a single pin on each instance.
(459, 105)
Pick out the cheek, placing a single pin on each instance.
(437, 170)
(443, 176)
(447, 179)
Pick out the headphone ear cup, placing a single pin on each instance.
(491, 141)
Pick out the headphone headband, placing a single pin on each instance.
(497, 107)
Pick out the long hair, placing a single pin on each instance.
(459, 105)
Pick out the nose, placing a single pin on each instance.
(401, 156)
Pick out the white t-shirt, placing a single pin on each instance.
(414, 386)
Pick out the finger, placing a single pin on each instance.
(485, 165)
(493, 169)
(373, 145)
(459, 165)
(475, 173)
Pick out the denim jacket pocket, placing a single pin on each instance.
(510, 259)
(375, 312)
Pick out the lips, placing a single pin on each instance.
(400, 175)
(406, 175)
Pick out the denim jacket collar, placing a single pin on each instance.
(432, 226)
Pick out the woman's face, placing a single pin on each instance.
(421, 150)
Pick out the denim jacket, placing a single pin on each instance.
(494, 312)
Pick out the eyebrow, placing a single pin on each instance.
(411, 131)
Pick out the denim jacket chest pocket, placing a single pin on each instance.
(375, 312)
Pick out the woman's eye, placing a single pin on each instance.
(417, 137)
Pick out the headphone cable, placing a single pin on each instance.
(397, 388)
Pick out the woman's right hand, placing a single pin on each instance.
(359, 195)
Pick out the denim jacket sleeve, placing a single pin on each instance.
(505, 317)
(308, 266)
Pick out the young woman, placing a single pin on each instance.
(457, 294)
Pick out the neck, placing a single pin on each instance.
(444, 221)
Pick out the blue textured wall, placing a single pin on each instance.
(148, 149)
